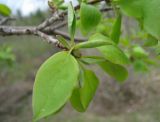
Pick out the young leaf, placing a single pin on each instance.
(81, 97)
(96, 40)
(54, 84)
(5, 10)
(114, 54)
(117, 71)
(93, 44)
(71, 21)
(140, 66)
(100, 37)
(139, 52)
(63, 41)
(116, 32)
(110, 52)
(151, 41)
(90, 17)
(54, 4)
(91, 59)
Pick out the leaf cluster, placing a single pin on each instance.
(65, 76)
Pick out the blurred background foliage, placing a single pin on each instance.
(137, 100)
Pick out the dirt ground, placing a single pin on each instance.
(112, 100)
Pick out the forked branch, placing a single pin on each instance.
(44, 30)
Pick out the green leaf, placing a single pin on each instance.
(110, 52)
(54, 4)
(140, 66)
(7, 57)
(151, 41)
(5, 10)
(139, 52)
(76, 100)
(101, 38)
(54, 84)
(88, 91)
(150, 62)
(147, 11)
(91, 59)
(93, 44)
(131, 8)
(90, 17)
(71, 21)
(82, 97)
(116, 32)
(96, 40)
(119, 72)
(63, 41)
(114, 54)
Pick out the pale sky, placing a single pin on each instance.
(28, 6)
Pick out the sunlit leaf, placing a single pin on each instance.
(116, 32)
(71, 20)
(110, 52)
(100, 37)
(93, 44)
(90, 17)
(91, 59)
(54, 4)
(151, 41)
(96, 40)
(54, 84)
(139, 52)
(114, 54)
(5, 10)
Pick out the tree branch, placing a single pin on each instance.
(57, 16)
(12, 30)
(48, 38)
(44, 30)
(26, 30)
(65, 35)
(49, 21)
